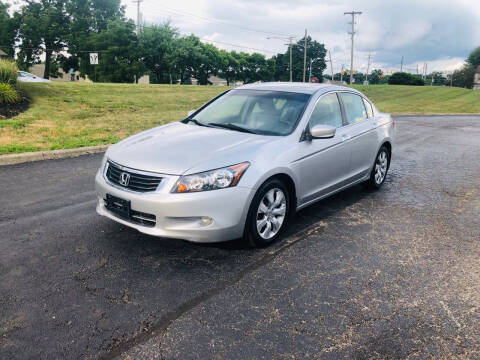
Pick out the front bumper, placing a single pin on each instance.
(179, 215)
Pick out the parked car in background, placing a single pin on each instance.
(24, 76)
(244, 162)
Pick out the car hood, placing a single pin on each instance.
(175, 148)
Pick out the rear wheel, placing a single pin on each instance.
(268, 214)
(380, 169)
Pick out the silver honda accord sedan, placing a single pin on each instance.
(243, 163)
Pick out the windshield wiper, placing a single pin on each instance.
(232, 127)
(196, 122)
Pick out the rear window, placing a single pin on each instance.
(354, 107)
(369, 108)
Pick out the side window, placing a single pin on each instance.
(369, 108)
(327, 112)
(354, 108)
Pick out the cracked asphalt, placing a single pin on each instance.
(392, 274)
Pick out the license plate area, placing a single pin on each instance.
(119, 206)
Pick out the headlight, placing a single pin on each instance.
(103, 166)
(211, 180)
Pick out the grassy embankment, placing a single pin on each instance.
(68, 115)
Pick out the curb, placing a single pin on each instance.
(11, 159)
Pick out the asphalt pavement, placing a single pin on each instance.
(365, 275)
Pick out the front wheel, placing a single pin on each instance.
(268, 213)
(380, 169)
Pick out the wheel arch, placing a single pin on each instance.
(291, 187)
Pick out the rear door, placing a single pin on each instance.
(323, 163)
(361, 133)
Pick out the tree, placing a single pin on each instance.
(207, 64)
(229, 66)
(44, 27)
(438, 78)
(89, 17)
(157, 44)
(402, 78)
(463, 77)
(120, 59)
(375, 76)
(359, 77)
(474, 58)
(315, 51)
(8, 30)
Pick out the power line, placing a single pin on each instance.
(236, 45)
(217, 21)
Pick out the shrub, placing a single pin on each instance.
(8, 95)
(8, 72)
(402, 78)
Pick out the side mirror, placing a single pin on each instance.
(190, 113)
(323, 131)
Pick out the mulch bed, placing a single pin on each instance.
(10, 110)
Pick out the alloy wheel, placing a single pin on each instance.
(271, 213)
(381, 165)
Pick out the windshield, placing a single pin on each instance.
(257, 111)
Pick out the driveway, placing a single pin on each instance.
(387, 274)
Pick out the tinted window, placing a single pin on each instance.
(261, 111)
(327, 112)
(369, 108)
(354, 108)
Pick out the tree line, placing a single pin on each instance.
(64, 32)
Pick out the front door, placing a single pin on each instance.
(363, 137)
(323, 163)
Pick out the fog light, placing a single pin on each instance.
(206, 220)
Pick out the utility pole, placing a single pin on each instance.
(341, 74)
(368, 66)
(290, 40)
(352, 13)
(417, 69)
(331, 64)
(304, 57)
(401, 65)
(138, 16)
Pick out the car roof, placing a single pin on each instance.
(296, 87)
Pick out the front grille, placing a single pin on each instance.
(136, 181)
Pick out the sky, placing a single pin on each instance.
(440, 33)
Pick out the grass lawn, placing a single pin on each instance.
(69, 115)
(398, 99)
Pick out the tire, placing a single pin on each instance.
(380, 169)
(266, 220)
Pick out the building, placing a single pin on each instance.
(476, 79)
(3, 54)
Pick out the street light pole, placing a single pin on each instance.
(310, 72)
(352, 13)
(290, 46)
